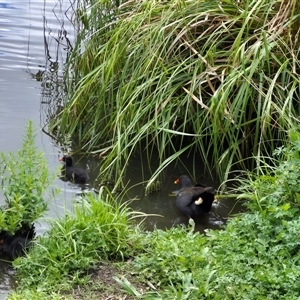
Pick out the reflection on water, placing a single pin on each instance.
(7, 280)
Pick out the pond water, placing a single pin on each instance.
(35, 39)
(30, 32)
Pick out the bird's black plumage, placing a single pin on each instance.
(14, 246)
(193, 200)
(72, 173)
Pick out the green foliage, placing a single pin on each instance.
(24, 179)
(276, 190)
(256, 256)
(222, 76)
(37, 295)
(171, 253)
(250, 259)
(98, 230)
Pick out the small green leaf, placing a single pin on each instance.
(285, 206)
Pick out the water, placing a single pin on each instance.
(35, 39)
(31, 43)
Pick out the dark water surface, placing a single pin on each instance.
(35, 38)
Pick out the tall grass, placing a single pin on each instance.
(99, 229)
(146, 75)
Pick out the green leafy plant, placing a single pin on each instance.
(24, 180)
(99, 229)
(171, 253)
(275, 189)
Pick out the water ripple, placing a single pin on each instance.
(26, 32)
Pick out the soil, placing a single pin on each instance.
(104, 287)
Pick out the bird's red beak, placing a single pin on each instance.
(176, 181)
(60, 159)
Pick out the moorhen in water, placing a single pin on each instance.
(14, 246)
(193, 200)
(71, 173)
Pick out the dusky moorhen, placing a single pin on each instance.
(15, 246)
(71, 173)
(193, 200)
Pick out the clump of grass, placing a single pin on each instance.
(221, 76)
(99, 229)
(171, 253)
(24, 179)
(276, 187)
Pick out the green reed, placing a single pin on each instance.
(209, 77)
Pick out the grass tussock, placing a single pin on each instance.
(100, 229)
(152, 75)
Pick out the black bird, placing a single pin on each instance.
(71, 173)
(14, 246)
(193, 200)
